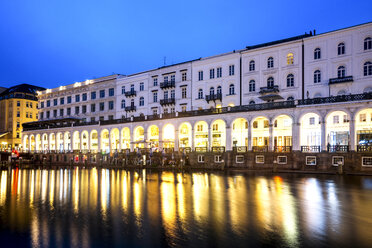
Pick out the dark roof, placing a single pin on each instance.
(299, 37)
(23, 88)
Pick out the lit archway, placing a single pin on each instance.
(282, 132)
(76, 140)
(363, 129)
(185, 135)
(26, 143)
(260, 132)
(38, 142)
(67, 141)
(218, 133)
(201, 134)
(105, 146)
(60, 142)
(85, 140)
(168, 136)
(44, 142)
(115, 139)
(310, 130)
(52, 142)
(153, 136)
(139, 137)
(239, 132)
(125, 137)
(94, 140)
(337, 129)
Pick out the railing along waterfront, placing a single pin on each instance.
(201, 149)
(364, 148)
(338, 148)
(218, 149)
(260, 148)
(213, 111)
(185, 149)
(282, 148)
(310, 148)
(240, 149)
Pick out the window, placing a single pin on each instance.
(270, 62)
(17, 135)
(26, 105)
(231, 70)
(172, 110)
(165, 95)
(165, 111)
(341, 49)
(252, 86)
(211, 91)
(270, 82)
(122, 90)
(362, 117)
(132, 102)
(155, 96)
(341, 71)
(142, 86)
(367, 161)
(18, 114)
(260, 159)
(61, 112)
(173, 78)
(111, 92)
(18, 103)
(219, 72)
(84, 109)
(102, 93)
(110, 117)
(141, 101)
(199, 128)
(282, 159)
(183, 108)
(200, 94)
(290, 80)
(92, 119)
(101, 106)
(85, 96)
(173, 94)
(93, 95)
(219, 90)
(310, 160)
(266, 123)
(367, 68)
(165, 79)
(255, 124)
(68, 111)
(55, 102)
(123, 104)
(337, 160)
(77, 110)
(30, 104)
(252, 65)
(48, 103)
(18, 124)
(111, 105)
(93, 108)
(62, 101)
(48, 114)
(184, 76)
(155, 81)
(101, 118)
(218, 159)
(184, 92)
(215, 127)
(77, 98)
(317, 76)
(155, 111)
(312, 121)
(211, 73)
(42, 115)
(336, 119)
(239, 159)
(317, 54)
(290, 59)
(200, 74)
(368, 43)
(42, 105)
(132, 88)
(231, 89)
(200, 158)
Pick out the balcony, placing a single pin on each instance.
(130, 108)
(130, 93)
(334, 99)
(270, 89)
(213, 97)
(168, 101)
(165, 85)
(341, 80)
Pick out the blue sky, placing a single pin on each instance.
(51, 43)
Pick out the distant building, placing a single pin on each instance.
(18, 104)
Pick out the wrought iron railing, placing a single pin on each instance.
(364, 148)
(169, 84)
(341, 80)
(260, 148)
(218, 149)
(310, 149)
(201, 149)
(338, 148)
(240, 149)
(213, 97)
(167, 101)
(271, 89)
(130, 93)
(130, 108)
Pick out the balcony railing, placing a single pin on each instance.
(240, 149)
(213, 97)
(334, 99)
(218, 149)
(168, 101)
(310, 148)
(130, 93)
(169, 84)
(282, 148)
(260, 148)
(341, 80)
(364, 148)
(130, 108)
(270, 89)
(338, 148)
(201, 149)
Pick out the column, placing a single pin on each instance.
(160, 138)
(176, 140)
(99, 140)
(271, 137)
(296, 136)
(131, 146)
(323, 134)
(192, 138)
(209, 145)
(71, 141)
(352, 134)
(109, 141)
(249, 136)
(120, 140)
(145, 138)
(29, 143)
(228, 138)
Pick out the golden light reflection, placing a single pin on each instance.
(168, 203)
(3, 187)
(76, 190)
(200, 196)
(51, 188)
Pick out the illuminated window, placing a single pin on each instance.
(266, 123)
(199, 128)
(312, 120)
(336, 119)
(341, 49)
(367, 68)
(362, 117)
(183, 108)
(215, 127)
(260, 159)
(255, 124)
(310, 160)
(368, 43)
(317, 76)
(317, 53)
(290, 59)
(341, 72)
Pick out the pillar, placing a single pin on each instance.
(176, 140)
(352, 134)
(249, 135)
(109, 141)
(99, 140)
(323, 134)
(120, 140)
(228, 138)
(296, 136)
(271, 137)
(145, 138)
(209, 145)
(71, 141)
(161, 138)
(192, 138)
(131, 146)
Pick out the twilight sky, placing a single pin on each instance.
(51, 43)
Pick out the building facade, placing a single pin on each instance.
(305, 93)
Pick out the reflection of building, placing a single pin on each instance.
(18, 104)
(307, 93)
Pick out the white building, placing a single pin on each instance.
(305, 92)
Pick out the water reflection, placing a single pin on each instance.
(100, 207)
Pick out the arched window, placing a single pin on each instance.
(367, 68)
(341, 49)
(317, 54)
(341, 71)
(368, 43)
(219, 90)
(231, 89)
(132, 102)
(270, 82)
(200, 94)
(317, 76)
(123, 104)
(290, 59)
(142, 101)
(252, 102)
(290, 80)
(270, 62)
(290, 98)
(252, 65)
(252, 86)
(211, 91)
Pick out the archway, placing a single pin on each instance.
(239, 132)
(94, 140)
(282, 132)
(168, 136)
(139, 137)
(201, 135)
(153, 136)
(26, 143)
(185, 135)
(52, 142)
(85, 140)
(310, 132)
(67, 141)
(115, 139)
(105, 146)
(38, 142)
(44, 142)
(125, 138)
(260, 133)
(60, 142)
(363, 130)
(76, 139)
(218, 133)
(337, 130)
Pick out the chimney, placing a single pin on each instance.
(314, 31)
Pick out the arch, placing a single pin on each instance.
(252, 102)
(290, 59)
(60, 142)
(52, 142)
(115, 139)
(341, 92)
(218, 133)
(239, 132)
(76, 141)
(44, 142)
(317, 95)
(310, 130)
(84, 140)
(363, 127)
(139, 137)
(125, 138)
(367, 90)
(153, 136)
(337, 128)
(105, 138)
(260, 131)
(93, 137)
(168, 136)
(26, 143)
(201, 134)
(67, 141)
(38, 142)
(185, 135)
(282, 131)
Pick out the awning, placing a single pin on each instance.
(3, 134)
(270, 97)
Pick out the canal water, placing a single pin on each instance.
(120, 208)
